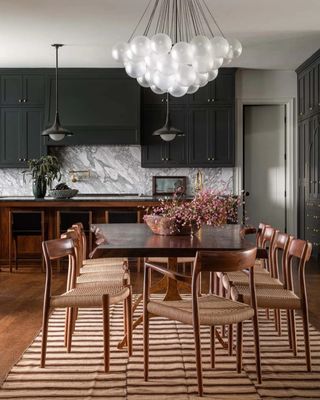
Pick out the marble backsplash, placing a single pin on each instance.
(113, 169)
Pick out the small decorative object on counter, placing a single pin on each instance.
(198, 184)
(182, 217)
(62, 191)
(43, 172)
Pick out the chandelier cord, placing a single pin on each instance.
(136, 27)
(213, 18)
(204, 17)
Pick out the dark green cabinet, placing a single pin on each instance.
(155, 151)
(98, 106)
(211, 136)
(20, 135)
(22, 89)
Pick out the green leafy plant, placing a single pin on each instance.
(45, 169)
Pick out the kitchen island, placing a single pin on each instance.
(98, 208)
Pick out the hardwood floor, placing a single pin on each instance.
(21, 295)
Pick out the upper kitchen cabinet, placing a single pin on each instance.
(218, 92)
(100, 106)
(22, 89)
(20, 135)
(211, 136)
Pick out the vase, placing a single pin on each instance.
(39, 188)
(165, 226)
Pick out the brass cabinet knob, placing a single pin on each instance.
(310, 108)
(212, 100)
(209, 100)
(20, 100)
(24, 100)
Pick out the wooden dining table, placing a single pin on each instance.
(137, 240)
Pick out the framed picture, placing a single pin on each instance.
(168, 185)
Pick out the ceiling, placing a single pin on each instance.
(276, 34)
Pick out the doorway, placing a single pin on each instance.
(264, 172)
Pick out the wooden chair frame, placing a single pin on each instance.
(212, 262)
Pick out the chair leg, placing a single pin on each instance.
(212, 346)
(305, 318)
(106, 331)
(45, 321)
(289, 329)
(146, 344)
(230, 340)
(293, 332)
(239, 346)
(196, 333)
(70, 328)
(125, 317)
(257, 345)
(279, 322)
(216, 283)
(129, 324)
(67, 322)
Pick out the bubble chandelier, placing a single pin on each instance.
(177, 52)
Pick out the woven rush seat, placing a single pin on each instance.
(103, 278)
(117, 268)
(261, 280)
(270, 297)
(213, 310)
(104, 261)
(91, 296)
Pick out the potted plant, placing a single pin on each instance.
(43, 172)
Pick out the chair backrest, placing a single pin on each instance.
(280, 244)
(260, 232)
(79, 228)
(300, 250)
(74, 236)
(266, 241)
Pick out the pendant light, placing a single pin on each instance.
(56, 132)
(168, 132)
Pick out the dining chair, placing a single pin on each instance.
(96, 264)
(210, 310)
(285, 297)
(80, 297)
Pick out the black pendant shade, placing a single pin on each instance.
(56, 132)
(168, 132)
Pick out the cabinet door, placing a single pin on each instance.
(33, 126)
(199, 137)
(13, 138)
(301, 96)
(153, 147)
(223, 89)
(303, 141)
(11, 90)
(313, 156)
(33, 90)
(176, 150)
(203, 96)
(222, 137)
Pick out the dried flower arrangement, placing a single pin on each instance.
(177, 216)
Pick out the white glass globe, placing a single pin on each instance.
(167, 65)
(143, 81)
(186, 75)
(229, 57)
(156, 90)
(203, 64)
(201, 46)
(236, 47)
(135, 69)
(202, 79)
(151, 61)
(220, 47)
(192, 89)
(140, 46)
(212, 75)
(161, 43)
(130, 56)
(178, 91)
(182, 53)
(217, 62)
(168, 137)
(162, 81)
(119, 51)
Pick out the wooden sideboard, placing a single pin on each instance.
(51, 208)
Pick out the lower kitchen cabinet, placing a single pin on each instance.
(155, 151)
(20, 135)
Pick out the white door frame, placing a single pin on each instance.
(291, 152)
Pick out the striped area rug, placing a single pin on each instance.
(79, 375)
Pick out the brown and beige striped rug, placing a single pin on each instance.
(79, 375)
